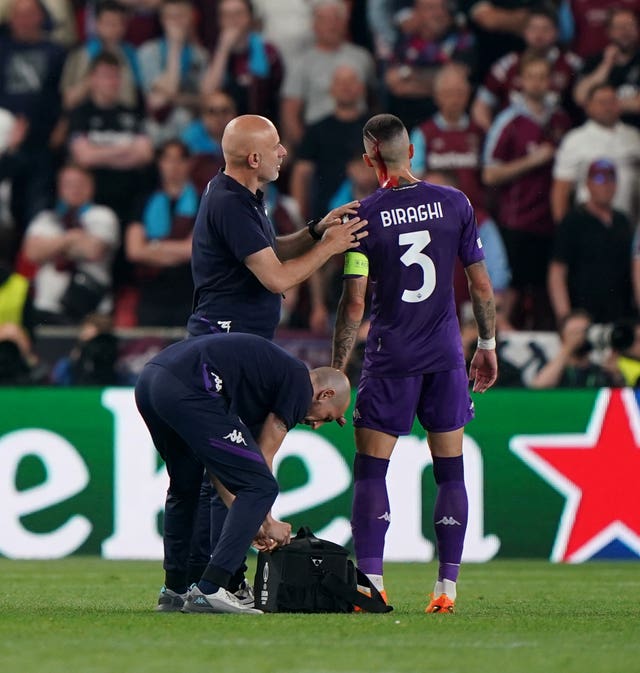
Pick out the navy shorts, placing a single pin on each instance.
(441, 402)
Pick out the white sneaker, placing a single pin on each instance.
(245, 594)
(170, 601)
(222, 601)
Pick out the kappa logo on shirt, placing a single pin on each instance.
(235, 436)
(385, 517)
(225, 325)
(448, 521)
(217, 382)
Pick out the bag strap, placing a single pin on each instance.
(305, 533)
(337, 587)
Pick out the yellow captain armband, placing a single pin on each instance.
(356, 264)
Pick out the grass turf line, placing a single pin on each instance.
(87, 615)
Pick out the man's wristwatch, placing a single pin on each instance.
(313, 232)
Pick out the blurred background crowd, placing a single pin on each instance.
(111, 115)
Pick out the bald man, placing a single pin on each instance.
(225, 403)
(413, 362)
(240, 268)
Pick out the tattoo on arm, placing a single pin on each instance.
(484, 312)
(344, 339)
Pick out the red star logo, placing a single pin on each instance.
(598, 472)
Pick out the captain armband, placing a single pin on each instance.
(356, 264)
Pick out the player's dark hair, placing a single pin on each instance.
(382, 128)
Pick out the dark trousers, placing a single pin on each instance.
(192, 430)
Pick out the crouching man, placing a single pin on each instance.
(226, 402)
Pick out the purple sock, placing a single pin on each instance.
(450, 514)
(370, 514)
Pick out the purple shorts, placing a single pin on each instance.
(440, 401)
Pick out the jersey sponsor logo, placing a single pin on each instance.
(235, 436)
(421, 213)
(448, 521)
(385, 517)
(225, 325)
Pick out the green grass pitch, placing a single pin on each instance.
(85, 615)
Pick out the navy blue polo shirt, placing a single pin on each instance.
(232, 224)
(254, 375)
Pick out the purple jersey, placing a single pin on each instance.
(416, 232)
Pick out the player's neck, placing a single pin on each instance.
(395, 177)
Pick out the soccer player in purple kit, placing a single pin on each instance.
(413, 363)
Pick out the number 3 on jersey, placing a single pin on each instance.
(418, 240)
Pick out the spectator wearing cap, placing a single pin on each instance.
(591, 260)
(602, 135)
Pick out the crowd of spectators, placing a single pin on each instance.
(112, 111)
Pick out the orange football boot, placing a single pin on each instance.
(441, 604)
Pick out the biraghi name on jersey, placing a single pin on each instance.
(421, 213)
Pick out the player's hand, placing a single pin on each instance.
(345, 237)
(337, 216)
(483, 370)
